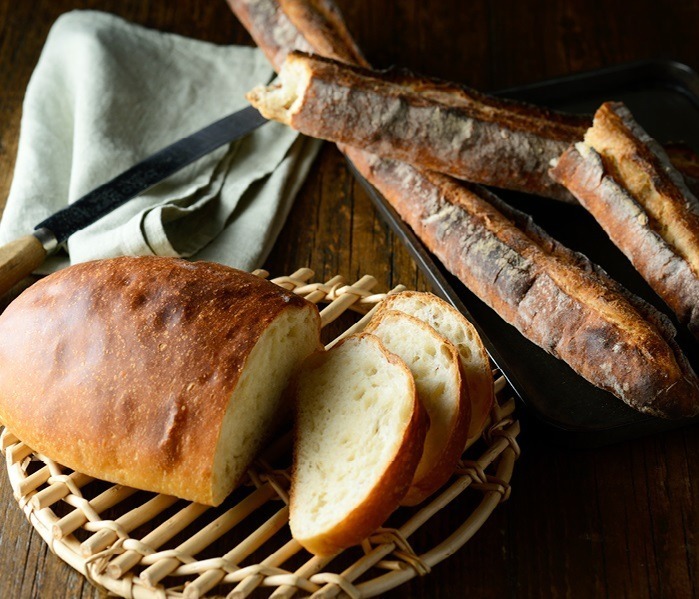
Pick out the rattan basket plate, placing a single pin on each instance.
(137, 544)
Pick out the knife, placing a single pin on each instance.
(21, 256)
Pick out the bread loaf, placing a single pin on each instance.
(359, 435)
(152, 372)
(425, 122)
(450, 323)
(280, 26)
(441, 389)
(626, 181)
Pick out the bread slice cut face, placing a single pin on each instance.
(450, 323)
(156, 373)
(434, 363)
(359, 435)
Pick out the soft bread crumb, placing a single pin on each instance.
(283, 98)
(434, 363)
(450, 323)
(257, 402)
(354, 407)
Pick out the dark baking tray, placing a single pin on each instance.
(664, 98)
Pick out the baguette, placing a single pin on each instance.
(152, 372)
(555, 297)
(625, 179)
(360, 431)
(450, 323)
(435, 206)
(321, 25)
(282, 26)
(425, 122)
(270, 28)
(442, 390)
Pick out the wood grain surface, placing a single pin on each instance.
(621, 521)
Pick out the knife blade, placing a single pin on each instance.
(21, 256)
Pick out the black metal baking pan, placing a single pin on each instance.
(664, 98)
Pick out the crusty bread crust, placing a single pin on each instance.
(442, 448)
(282, 26)
(270, 28)
(555, 297)
(123, 369)
(429, 123)
(391, 487)
(685, 160)
(626, 181)
(322, 26)
(431, 204)
(475, 369)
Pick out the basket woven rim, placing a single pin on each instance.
(110, 557)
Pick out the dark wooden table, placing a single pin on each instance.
(621, 521)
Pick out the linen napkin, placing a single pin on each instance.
(106, 94)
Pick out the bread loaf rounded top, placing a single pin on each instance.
(124, 368)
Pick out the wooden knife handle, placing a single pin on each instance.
(18, 259)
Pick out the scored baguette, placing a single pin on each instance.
(360, 431)
(450, 323)
(431, 203)
(432, 124)
(555, 297)
(441, 389)
(281, 26)
(152, 372)
(625, 180)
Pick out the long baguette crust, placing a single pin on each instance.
(429, 123)
(553, 296)
(322, 26)
(271, 29)
(667, 388)
(124, 369)
(449, 410)
(282, 26)
(626, 181)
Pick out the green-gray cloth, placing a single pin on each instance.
(106, 94)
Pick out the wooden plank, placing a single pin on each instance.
(616, 522)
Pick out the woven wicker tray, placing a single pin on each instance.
(137, 544)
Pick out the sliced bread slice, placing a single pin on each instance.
(450, 323)
(434, 362)
(360, 431)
